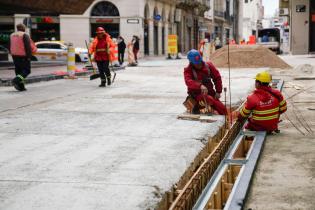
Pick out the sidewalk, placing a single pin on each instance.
(41, 73)
(284, 178)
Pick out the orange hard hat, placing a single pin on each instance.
(100, 30)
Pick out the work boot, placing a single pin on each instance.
(109, 81)
(103, 83)
(16, 82)
(22, 86)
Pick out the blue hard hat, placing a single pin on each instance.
(194, 57)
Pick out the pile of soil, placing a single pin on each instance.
(247, 56)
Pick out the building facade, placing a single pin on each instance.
(223, 18)
(150, 20)
(251, 13)
(299, 16)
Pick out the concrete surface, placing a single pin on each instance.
(285, 177)
(68, 144)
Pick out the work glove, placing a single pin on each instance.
(217, 95)
(204, 89)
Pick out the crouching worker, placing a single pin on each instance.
(265, 105)
(201, 78)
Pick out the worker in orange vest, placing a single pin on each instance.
(201, 47)
(21, 49)
(264, 106)
(103, 48)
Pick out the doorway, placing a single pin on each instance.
(111, 29)
(163, 40)
(146, 37)
(300, 27)
(146, 29)
(156, 40)
(312, 26)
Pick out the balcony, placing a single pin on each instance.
(198, 7)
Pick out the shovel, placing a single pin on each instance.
(94, 75)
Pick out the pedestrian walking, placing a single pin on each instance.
(204, 83)
(102, 48)
(264, 106)
(136, 47)
(121, 49)
(21, 49)
(217, 43)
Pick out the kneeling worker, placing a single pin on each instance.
(199, 78)
(265, 106)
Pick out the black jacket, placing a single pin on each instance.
(136, 45)
(122, 46)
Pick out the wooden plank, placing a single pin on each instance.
(196, 117)
(304, 78)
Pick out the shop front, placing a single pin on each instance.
(6, 28)
(45, 28)
(111, 25)
(105, 14)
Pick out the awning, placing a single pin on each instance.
(45, 6)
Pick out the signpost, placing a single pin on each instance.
(157, 17)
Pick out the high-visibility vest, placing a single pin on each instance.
(264, 113)
(17, 47)
(17, 44)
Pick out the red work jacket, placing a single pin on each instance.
(265, 106)
(102, 49)
(203, 77)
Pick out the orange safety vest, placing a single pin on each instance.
(17, 47)
(110, 47)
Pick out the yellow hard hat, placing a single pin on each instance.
(263, 77)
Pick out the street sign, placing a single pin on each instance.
(204, 29)
(157, 17)
(133, 21)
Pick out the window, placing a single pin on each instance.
(42, 46)
(55, 46)
(105, 8)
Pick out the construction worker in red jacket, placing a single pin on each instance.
(102, 48)
(21, 49)
(204, 83)
(265, 105)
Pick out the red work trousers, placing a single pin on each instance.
(216, 104)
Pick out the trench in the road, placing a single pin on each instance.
(220, 175)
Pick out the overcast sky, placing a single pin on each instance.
(270, 7)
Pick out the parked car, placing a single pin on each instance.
(57, 51)
(4, 53)
(270, 38)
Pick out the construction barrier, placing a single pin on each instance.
(252, 39)
(131, 57)
(71, 60)
(207, 49)
(114, 60)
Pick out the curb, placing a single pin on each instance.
(49, 77)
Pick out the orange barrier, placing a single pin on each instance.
(252, 39)
(114, 53)
(131, 57)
